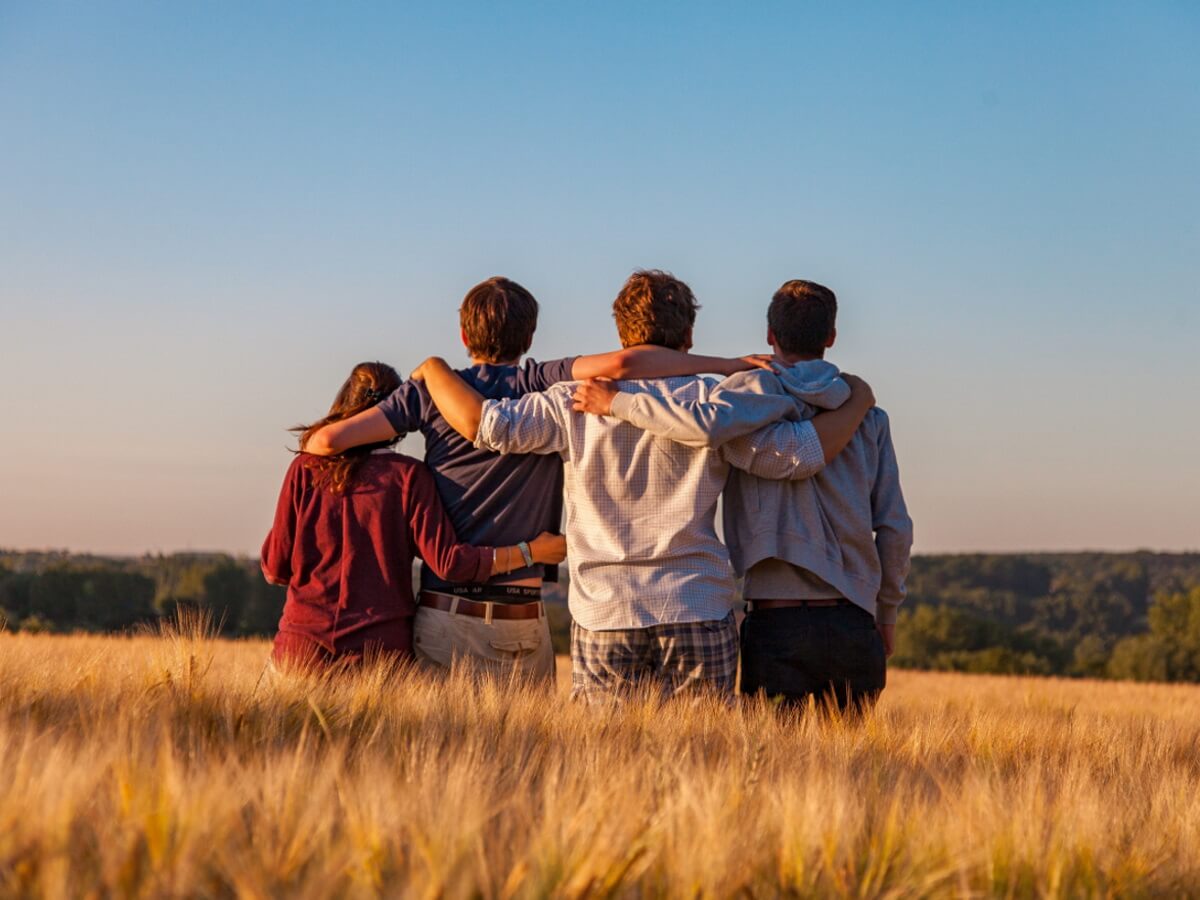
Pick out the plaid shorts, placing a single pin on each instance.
(675, 658)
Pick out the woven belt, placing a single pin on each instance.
(789, 604)
(477, 610)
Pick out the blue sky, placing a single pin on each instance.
(209, 213)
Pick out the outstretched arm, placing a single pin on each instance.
(728, 416)
(370, 426)
(399, 413)
(650, 361)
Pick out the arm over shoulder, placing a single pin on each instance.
(535, 423)
(533, 377)
(784, 451)
(739, 405)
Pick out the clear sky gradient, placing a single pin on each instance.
(210, 212)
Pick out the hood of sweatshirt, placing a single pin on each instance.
(815, 382)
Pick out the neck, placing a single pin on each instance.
(494, 362)
(790, 359)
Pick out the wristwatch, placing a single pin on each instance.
(526, 553)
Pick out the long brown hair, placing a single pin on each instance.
(369, 383)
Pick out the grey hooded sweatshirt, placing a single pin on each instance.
(847, 525)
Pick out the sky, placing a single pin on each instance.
(210, 212)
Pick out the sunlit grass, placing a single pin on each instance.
(169, 765)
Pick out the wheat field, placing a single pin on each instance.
(175, 766)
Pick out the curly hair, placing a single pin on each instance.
(368, 384)
(655, 307)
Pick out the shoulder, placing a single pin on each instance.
(405, 405)
(399, 463)
(752, 381)
(684, 387)
(301, 465)
(556, 394)
(539, 376)
(877, 424)
(401, 468)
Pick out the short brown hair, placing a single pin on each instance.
(655, 307)
(498, 318)
(802, 317)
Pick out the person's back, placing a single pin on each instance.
(827, 524)
(641, 510)
(491, 498)
(825, 558)
(346, 556)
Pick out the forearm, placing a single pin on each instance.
(459, 403)
(727, 415)
(783, 451)
(893, 545)
(836, 428)
(650, 361)
(532, 424)
(368, 427)
(891, 522)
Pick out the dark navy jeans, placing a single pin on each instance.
(832, 653)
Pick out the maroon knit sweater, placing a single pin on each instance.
(347, 558)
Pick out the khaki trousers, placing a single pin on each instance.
(504, 648)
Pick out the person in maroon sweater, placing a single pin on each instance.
(347, 529)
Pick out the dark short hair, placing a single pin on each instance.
(654, 307)
(498, 317)
(802, 317)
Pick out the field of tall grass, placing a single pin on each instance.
(173, 765)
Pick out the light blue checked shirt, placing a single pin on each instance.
(641, 536)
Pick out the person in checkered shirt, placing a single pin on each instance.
(652, 589)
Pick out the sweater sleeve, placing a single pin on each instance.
(893, 527)
(276, 558)
(785, 451)
(433, 538)
(725, 414)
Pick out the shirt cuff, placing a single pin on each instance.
(621, 405)
(885, 613)
(485, 434)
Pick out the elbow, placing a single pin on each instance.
(469, 428)
(271, 576)
(322, 444)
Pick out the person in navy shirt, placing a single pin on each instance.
(347, 529)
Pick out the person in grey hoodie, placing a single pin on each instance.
(824, 558)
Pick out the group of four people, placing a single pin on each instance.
(637, 450)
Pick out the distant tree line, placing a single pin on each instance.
(1095, 615)
(63, 592)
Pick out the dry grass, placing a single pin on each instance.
(169, 766)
